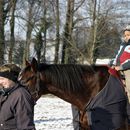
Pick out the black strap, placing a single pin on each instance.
(7, 91)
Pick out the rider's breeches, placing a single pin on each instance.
(127, 83)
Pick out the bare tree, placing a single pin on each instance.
(12, 27)
(57, 33)
(38, 44)
(87, 27)
(44, 28)
(101, 23)
(67, 36)
(30, 25)
(2, 39)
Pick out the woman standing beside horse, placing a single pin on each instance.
(16, 103)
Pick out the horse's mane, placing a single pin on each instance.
(67, 77)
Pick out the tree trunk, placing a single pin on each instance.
(44, 32)
(38, 45)
(12, 25)
(57, 33)
(2, 38)
(29, 32)
(93, 34)
(67, 37)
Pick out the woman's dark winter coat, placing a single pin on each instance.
(16, 109)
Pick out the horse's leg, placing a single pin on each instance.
(126, 126)
(83, 121)
(75, 115)
(80, 121)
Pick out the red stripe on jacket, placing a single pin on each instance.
(124, 56)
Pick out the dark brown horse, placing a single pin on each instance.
(76, 84)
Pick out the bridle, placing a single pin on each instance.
(37, 86)
(35, 93)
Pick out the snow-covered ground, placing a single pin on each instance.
(52, 113)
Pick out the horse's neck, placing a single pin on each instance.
(77, 100)
(92, 85)
(80, 100)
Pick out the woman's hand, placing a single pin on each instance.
(117, 68)
(113, 67)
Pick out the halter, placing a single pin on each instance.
(37, 85)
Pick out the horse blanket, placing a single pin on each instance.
(107, 110)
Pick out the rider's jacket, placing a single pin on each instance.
(122, 58)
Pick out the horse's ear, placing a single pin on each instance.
(34, 64)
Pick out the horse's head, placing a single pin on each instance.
(30, 78)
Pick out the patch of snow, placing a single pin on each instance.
(52, 113)
(103, 61)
